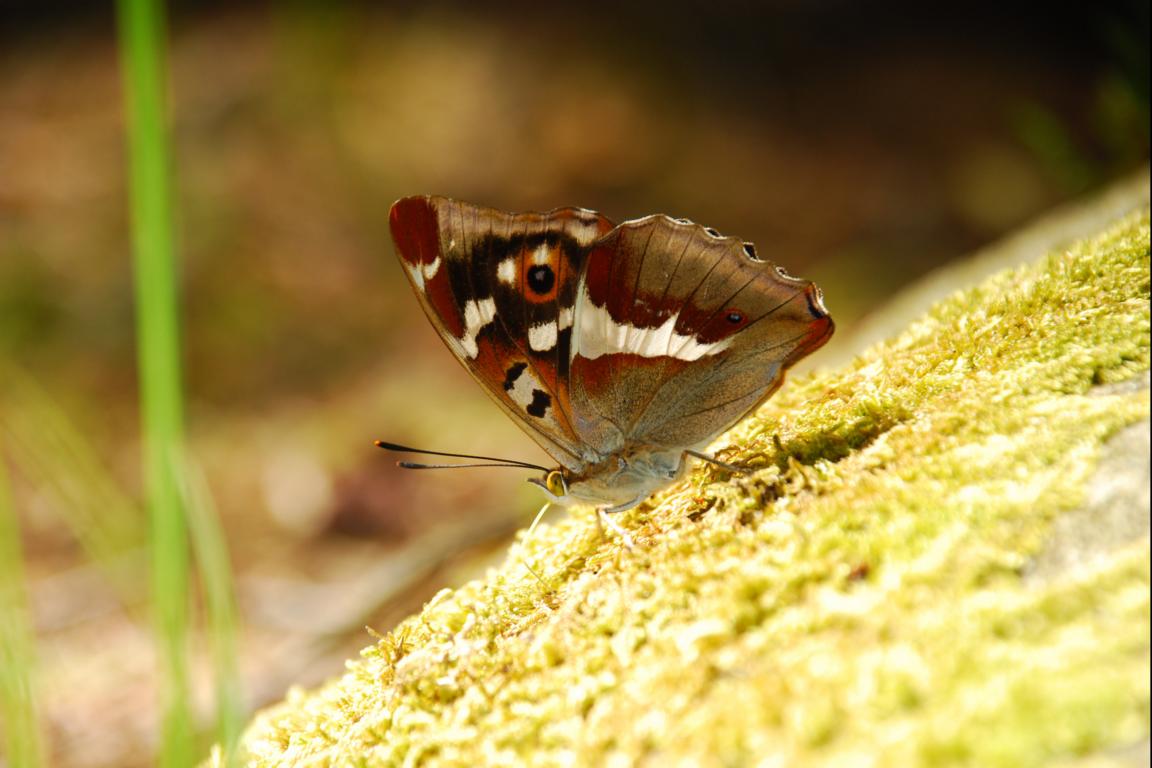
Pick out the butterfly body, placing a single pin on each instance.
(622, 480)
(620, 349)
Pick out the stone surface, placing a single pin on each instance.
(936, 560)
(1116, 513)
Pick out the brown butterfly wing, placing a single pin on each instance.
(681, 332)
(500, 290)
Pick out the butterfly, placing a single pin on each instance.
(622, 350)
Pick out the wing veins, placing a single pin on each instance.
(720, 308)
(636, 285)
(557, 407)
(719, 368)
(655, 392)
(469, 252)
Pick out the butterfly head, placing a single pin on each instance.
(616, 483)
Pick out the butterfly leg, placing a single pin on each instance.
(604, 521)
(722, 464)
(623, 507)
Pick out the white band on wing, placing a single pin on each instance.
(599, 334)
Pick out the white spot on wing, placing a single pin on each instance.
(542, 337)
(542, 254)
(417, 275)
(522, 391)
(599, 335)
(565, 319)
(477, 314)
(584, 232)
(506, 271)
(430, 270)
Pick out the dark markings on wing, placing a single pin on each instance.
(512, 374)
(472, 245)
(540, 404)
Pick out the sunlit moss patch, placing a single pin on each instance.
(860, 599)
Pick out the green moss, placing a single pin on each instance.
(859, 600)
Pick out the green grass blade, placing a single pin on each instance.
(19, 724)
(220, 611)
(141, 25)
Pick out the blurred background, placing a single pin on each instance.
(861, 145)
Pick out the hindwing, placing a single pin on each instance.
(681, 332)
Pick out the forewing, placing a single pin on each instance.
(500, 290)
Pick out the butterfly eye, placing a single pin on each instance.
(554, 482)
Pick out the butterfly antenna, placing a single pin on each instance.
(488, 461)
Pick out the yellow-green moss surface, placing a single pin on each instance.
(860, 600)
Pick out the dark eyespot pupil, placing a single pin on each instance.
(712, 232)
(750, 250)
(735, 317)
(541, 278)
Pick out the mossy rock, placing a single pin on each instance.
(874, 593)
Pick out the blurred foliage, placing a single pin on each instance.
(65, 482)
(826, 134)
(1117, 117)
(20, 733)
